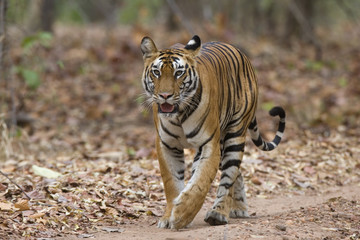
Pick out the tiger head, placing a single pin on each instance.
(170, 78)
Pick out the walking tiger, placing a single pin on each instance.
(203, 96)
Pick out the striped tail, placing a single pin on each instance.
(255, 133)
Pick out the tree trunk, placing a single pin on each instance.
(301, 24)
(41, 15)
(47, 15)
(299, 20)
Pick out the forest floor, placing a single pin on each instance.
(333, 214)
(84, 155)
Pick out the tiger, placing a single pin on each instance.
(204, 97)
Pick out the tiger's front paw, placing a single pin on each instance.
(164, 223)
(186, 206)
(180, 216)
(215, 218)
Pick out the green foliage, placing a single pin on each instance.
(61, 64)
(40, 38)
(131, 151)
(31, 78)
(267, 106)
(26, 69)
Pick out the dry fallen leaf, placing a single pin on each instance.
(310, 170)
(27, 213)
(7, 207)
(45, 172)
(37, 215)
(301, 184)
(2, 187)
(111, 211)
(22, 204)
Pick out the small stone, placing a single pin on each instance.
(256, 181)
(281, 227)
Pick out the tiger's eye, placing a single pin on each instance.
(178, 73)
(156, 73)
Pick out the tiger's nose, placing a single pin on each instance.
(165, 95)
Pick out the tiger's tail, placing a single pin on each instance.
(255, 133)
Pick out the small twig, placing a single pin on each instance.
(5, 175)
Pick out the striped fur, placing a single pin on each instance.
(203, 97)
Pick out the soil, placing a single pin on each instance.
(332, 214)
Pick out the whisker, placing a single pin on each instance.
(145, 101)
(147, 105)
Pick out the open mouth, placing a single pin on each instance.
(167, 108)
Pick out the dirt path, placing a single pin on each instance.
(333, 214)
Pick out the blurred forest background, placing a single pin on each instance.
(70, 91)
(48, 46)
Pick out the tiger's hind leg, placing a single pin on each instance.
(231, 158)
(239, 208)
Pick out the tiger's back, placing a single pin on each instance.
(235, 80)
(203, 97)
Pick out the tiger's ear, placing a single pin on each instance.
(148, 47)
(194, 45)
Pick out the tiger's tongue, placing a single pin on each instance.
(166, 108)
